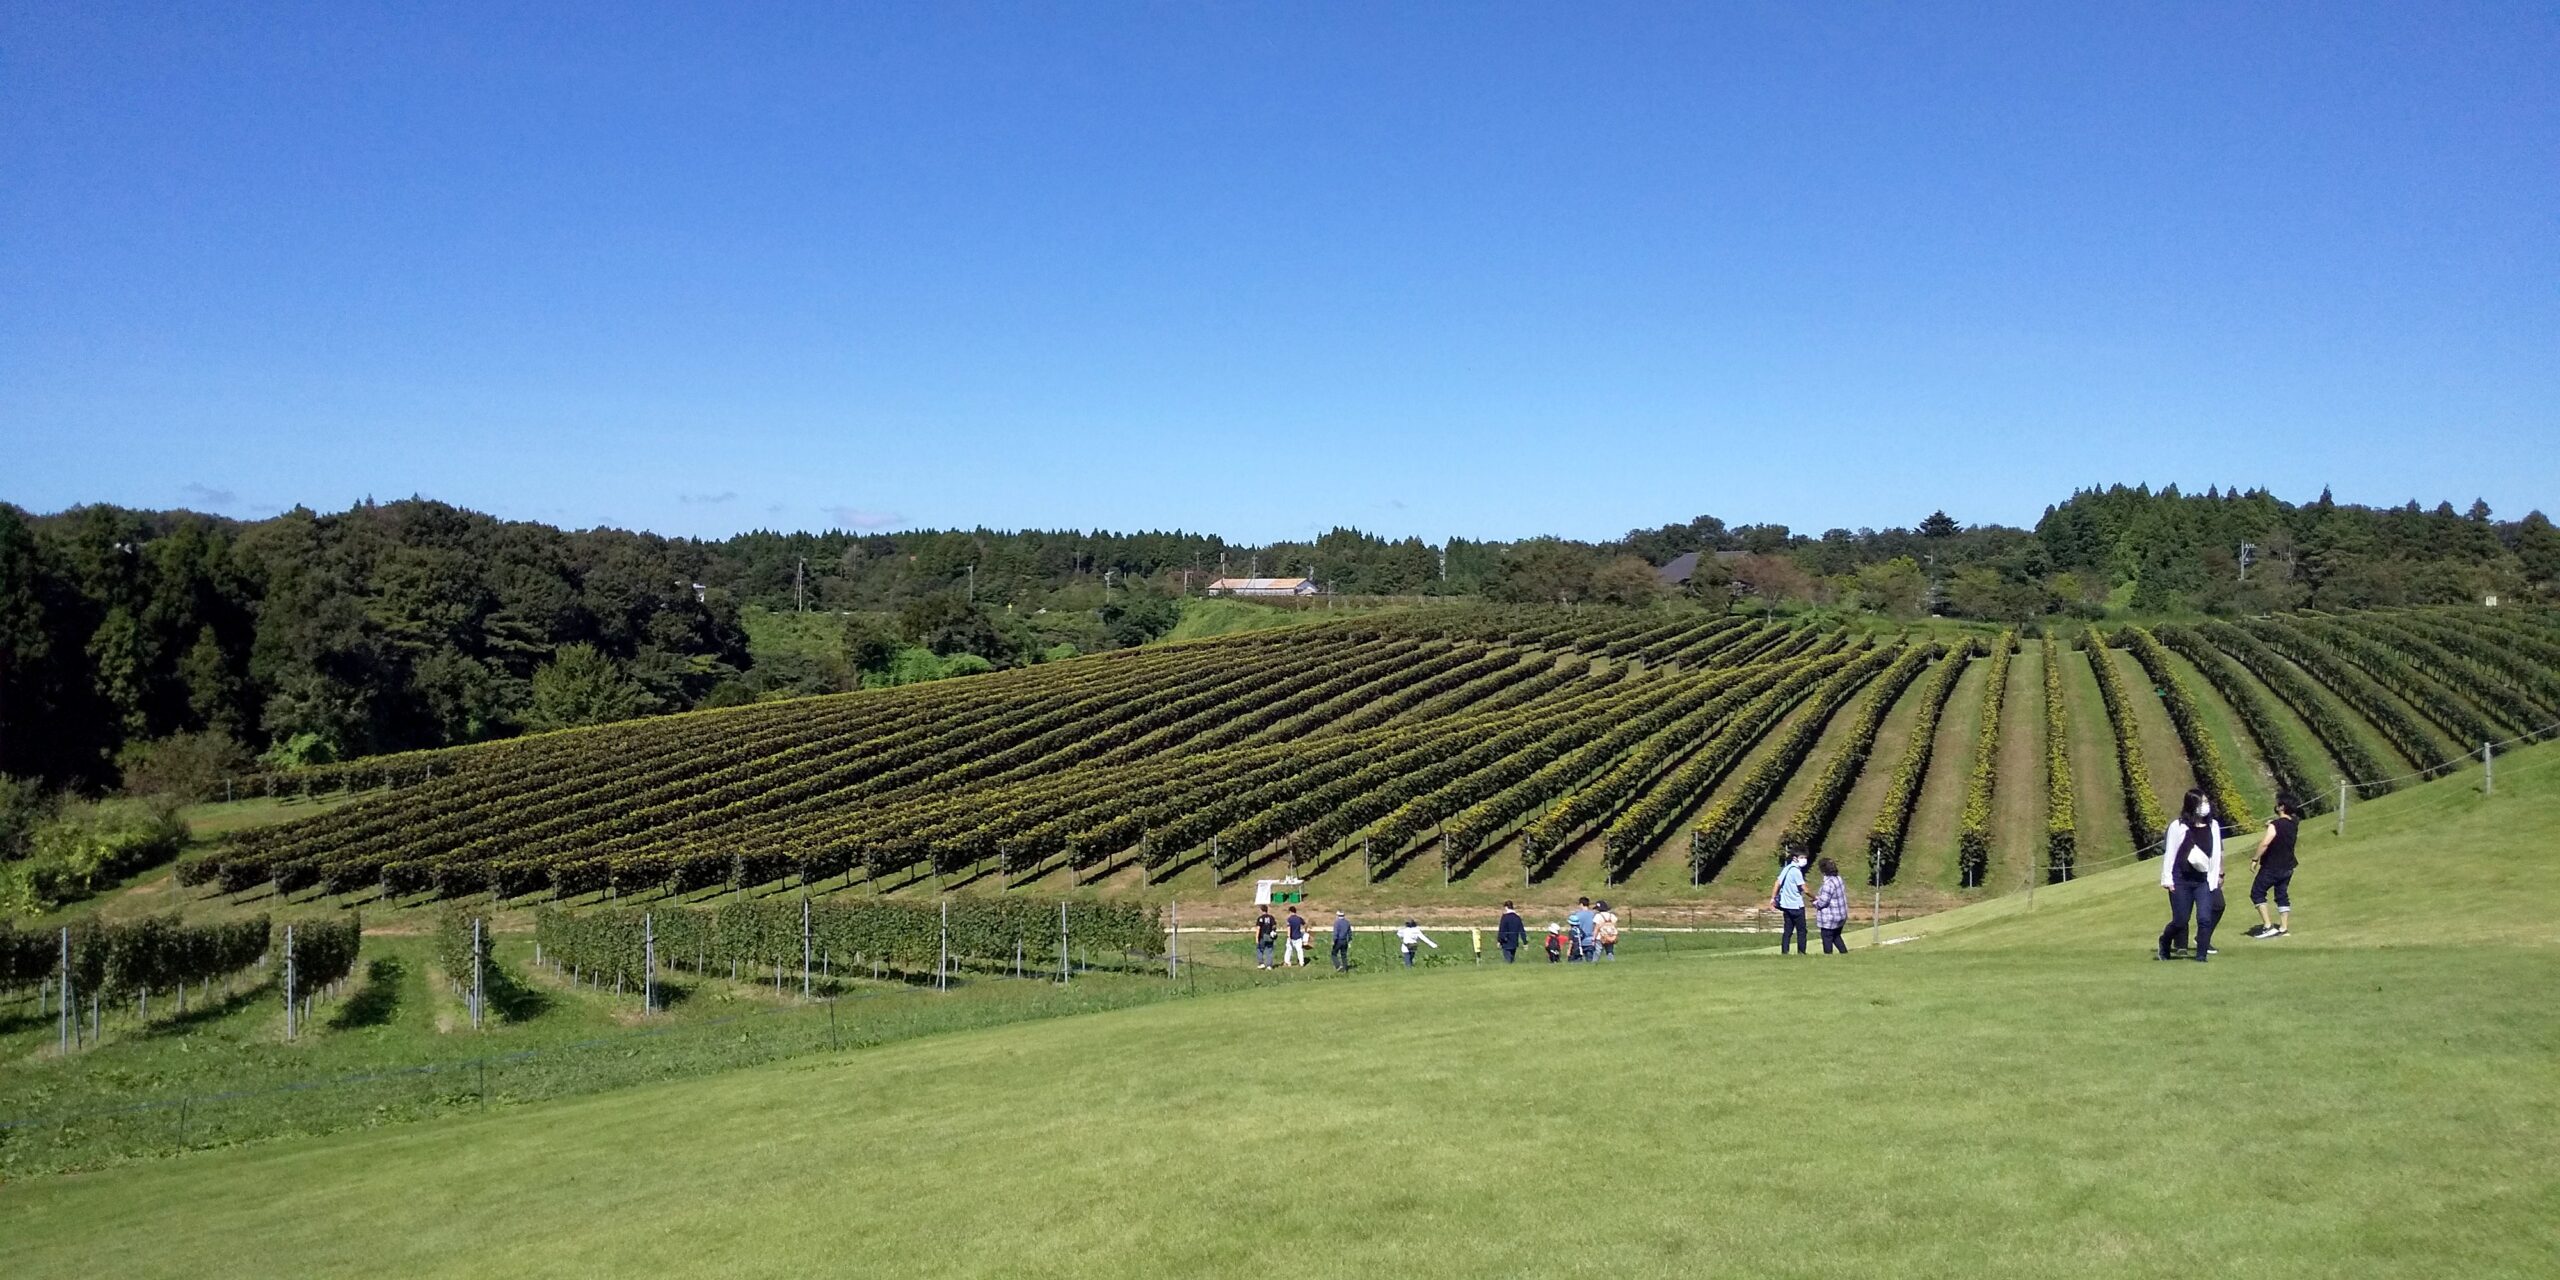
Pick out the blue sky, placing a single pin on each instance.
(1489, 270)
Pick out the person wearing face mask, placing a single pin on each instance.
(2191, 871)
(1788, 898)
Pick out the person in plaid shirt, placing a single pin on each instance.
(1831, 908)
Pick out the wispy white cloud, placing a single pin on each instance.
(205, 495)
(863, 518)
(707, 499)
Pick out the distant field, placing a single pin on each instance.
(2014, 1090)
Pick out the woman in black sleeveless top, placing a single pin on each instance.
(2275, 864)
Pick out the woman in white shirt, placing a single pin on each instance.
(2191, 870)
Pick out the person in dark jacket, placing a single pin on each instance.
(1341, 943)
(2191, 871)
(1265, 927)
(1511, 934)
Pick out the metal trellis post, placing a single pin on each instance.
(288, 982)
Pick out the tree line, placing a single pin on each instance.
(165, 649)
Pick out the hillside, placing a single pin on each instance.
(1456, 755)
(2020, 1092)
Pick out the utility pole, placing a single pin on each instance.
(2488, 769)
(800, 583)
(973, 582)
(2248, 555)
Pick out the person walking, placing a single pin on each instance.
(1580, 920)
(1297, 954)
(1831, 908)
(1341, 943)
(2274, 865)
(1263, 928)
(1604, 929)
(1511, 933)
(1557, 941)
(1788, 898)
(1411, 935)
(2192, 873)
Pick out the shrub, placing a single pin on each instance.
(1973, 834)
(2061, 816)
(85, 846)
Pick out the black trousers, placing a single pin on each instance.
(1510, 952)
(2191, 898)
(1831, 942)
(1792, 931)
(1342, 955)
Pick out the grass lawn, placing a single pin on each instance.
(2012, 1092)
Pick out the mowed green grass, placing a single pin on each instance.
(2012, 1092)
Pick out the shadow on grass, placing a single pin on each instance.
(378, 1002)
(513, 1000)
(210, 1011)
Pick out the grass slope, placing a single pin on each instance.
(2096, 782)
(1929, 849)
(2018, 804)
(2162, 753)
(2017, 1093)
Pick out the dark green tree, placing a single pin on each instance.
(583, 686)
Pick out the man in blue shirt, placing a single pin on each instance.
(1581, 924)
(1511, 934)
(1789, 900)
(1341, 943)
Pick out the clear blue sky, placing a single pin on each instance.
(1425, 268)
